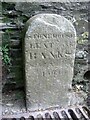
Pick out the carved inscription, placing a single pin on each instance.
(51, 73)
(50, 36)
(41, 45)
(44, 55)
(47, 49)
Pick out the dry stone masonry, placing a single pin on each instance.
(49, 50)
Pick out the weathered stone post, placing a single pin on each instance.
(50, 43)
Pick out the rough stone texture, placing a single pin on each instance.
(75, 11)
(50, 43)
(46, 1)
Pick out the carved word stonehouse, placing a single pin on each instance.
(49, 49)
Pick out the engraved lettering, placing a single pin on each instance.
(52, 73)
(59, 54)
(51, 45)
(50, 36)
(43, 73)
(45, 45)
(43, 56)
(30, 55)
(30, 45)
(35, 45)
(33, 55)
(45, 35)
(54, 36)
(52, 54)
(38, 45)
(36, 36)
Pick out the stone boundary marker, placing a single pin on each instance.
(49, 50)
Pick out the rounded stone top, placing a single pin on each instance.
(49, 23)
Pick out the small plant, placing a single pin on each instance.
(5, 55)
(83, 38)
